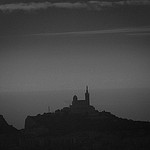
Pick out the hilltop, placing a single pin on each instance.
(79, 126)
(66, 123)
(63, 130)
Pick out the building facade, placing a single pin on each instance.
(82, 106)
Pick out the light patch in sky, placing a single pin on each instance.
(130, 31)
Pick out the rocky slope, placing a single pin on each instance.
(4, 127)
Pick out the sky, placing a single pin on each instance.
(62, 46)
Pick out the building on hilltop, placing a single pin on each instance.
(82, 106)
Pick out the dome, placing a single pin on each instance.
(75, 97)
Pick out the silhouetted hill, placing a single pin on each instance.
(67, 131)
(101, 130)
(66, 123)
(9, 136)
(4, 127)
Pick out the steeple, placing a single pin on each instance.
(87, 96)
(86, 88)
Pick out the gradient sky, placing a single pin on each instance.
(64, 62)
(49, 46)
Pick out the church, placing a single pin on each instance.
(82, 106)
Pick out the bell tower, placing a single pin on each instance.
(87, 96)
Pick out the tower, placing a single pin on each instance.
(87, 96)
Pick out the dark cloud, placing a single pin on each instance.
(96, 5)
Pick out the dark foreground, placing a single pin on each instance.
(63, 131)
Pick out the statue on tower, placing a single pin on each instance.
(87, 96)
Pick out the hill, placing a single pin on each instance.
(66, 123)
(4, 127)
(102, 130)
(64, 130)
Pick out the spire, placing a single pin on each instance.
(86, 88)
(87, 96)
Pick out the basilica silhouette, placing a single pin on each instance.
(82, 106)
